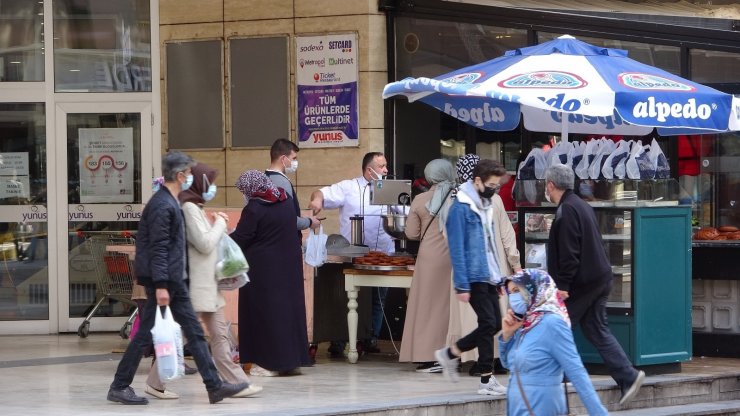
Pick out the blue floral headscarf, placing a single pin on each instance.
(543, 296)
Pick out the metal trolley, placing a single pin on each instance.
(115, 278)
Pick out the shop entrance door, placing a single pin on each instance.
(109, 151)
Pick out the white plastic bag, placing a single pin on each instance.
(612, 161)
(605, 149)
(658, 159)
(168, 348)
(316, 248)
(560, 154)
(233, 283)
(631, 167)
(589, 153)
(231, 260)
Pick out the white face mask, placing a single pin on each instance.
(547, 194)
(210, 194)
(292, 168)
(376, 175)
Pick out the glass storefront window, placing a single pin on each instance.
(667, 58)
(21, 41)
(102, 46)
(714, 66)
(104, 181)
(717, 186)
(24, 273)
(428, 48)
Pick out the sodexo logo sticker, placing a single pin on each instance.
(647, 82)
(312, 48)
(544, 79)
(464, 78)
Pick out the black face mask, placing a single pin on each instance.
(488, 192)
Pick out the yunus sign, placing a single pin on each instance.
(326, 79)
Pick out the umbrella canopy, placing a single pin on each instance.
(569, 85)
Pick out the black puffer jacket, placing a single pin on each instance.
(161, 255)
(576, 257)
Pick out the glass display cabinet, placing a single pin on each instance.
(647, 238)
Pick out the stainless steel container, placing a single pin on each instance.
(395, 226)
(357, 229)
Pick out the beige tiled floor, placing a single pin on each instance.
(65, 375)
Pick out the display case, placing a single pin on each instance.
(648, 243)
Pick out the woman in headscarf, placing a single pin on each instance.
(204, 231)
(272, 308)
(537, 346)
(428, 309)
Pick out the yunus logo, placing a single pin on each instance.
(465, 78)
(649, 82)
(544, 79)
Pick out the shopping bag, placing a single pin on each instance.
(658, 159)
(231, 260)
(233, 283)
(168, 348)
(316, 248)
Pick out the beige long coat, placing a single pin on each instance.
(203, 241)
(462, 317)
(428, 307)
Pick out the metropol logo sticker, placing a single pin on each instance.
(464, 78)
(544, 79)
(648, 82)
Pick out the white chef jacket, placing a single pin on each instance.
(347, 196)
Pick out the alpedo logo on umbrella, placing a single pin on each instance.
(648, 82)
(544, 79)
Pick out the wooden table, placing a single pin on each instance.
(353, 280)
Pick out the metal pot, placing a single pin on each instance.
(395, 225)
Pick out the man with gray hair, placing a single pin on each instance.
(161, 267)
(577, 261)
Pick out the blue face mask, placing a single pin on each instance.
(517, 303)
(188, 181)
(210, 194)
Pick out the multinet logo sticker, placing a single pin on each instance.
(544, 79)
(648, 82)
(464, 78)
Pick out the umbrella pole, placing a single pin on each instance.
(564, 127)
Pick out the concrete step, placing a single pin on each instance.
(727, 407)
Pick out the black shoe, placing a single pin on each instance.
(628, 392)
(126, 396)
(371, 346)
(336, 349)
(190, 370)
(226, 390)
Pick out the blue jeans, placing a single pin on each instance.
(379, 295)
(182, 311)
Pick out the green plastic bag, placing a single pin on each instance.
(231, 260)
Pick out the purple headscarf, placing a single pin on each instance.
(255, 184)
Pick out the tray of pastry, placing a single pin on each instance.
(376, 260)
(378, 267)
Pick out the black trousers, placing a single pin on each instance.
(588, 309)
(484, 300)
(182, 311)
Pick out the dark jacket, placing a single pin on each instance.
(576, 257)
(161, 256)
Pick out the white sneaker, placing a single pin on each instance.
(249, 391)
(449, 365)
(493, 388)
(165, 394)
(262, 372)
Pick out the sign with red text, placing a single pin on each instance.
(106, 165)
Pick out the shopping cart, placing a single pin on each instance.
(115, 279)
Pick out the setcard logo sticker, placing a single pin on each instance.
(544, 79)
(464, 78)
(647, 82)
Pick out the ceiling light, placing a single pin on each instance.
(74, 70)
(15, 62)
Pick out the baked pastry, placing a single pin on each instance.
(707, 233)
(728, 229)
(721, 237)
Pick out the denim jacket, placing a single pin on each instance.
(466, 240)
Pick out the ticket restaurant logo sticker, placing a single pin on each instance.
(464, 78)
(544, 79)
(648, 82)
